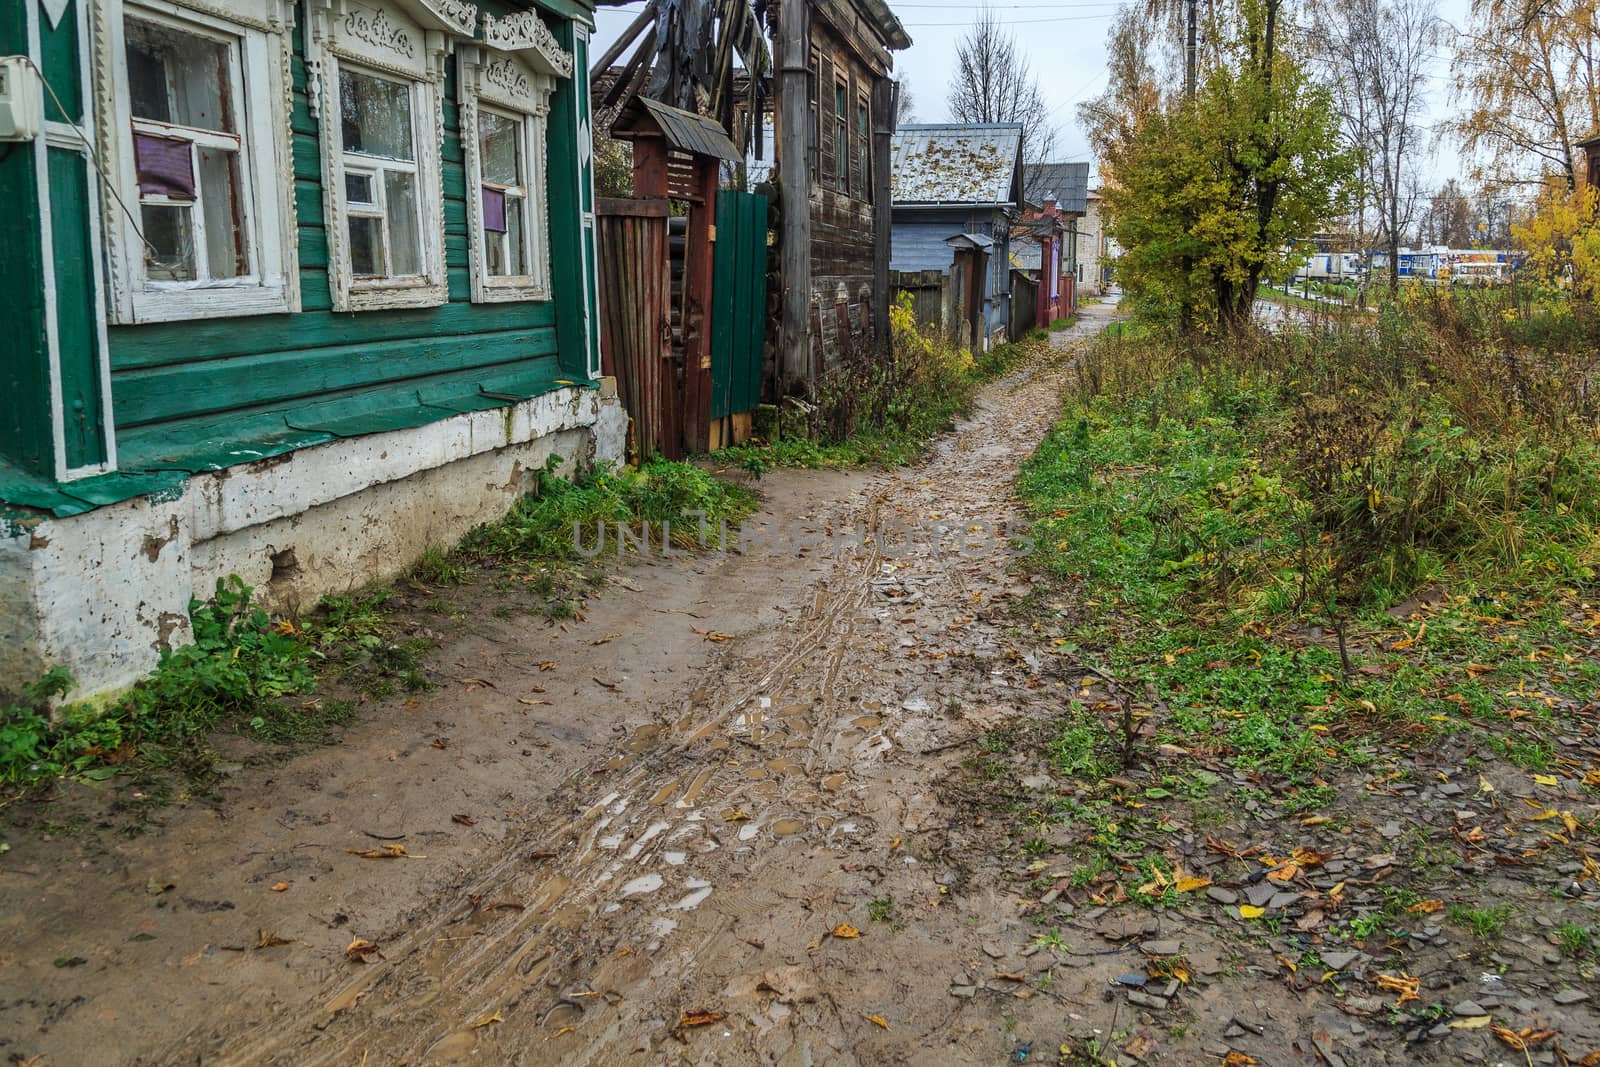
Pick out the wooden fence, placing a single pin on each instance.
(635, 320)
(935, 303)
(1024, 305)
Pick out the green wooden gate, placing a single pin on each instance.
(738, 302)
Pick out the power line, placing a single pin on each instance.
(1020, 22)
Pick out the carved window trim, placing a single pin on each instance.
(492, 79)
(261, 30)
(407, 41)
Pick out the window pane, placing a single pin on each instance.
(169, 236)
(376, 115)
(177, 77)
(219, 199)
(358, 188)
(499, 150)
(494, 254)
(515, 210)
(366, 246)
(405, 246)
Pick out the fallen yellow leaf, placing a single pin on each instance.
(1250, 911)
(1190, 884)
(877, 1020)
(845, 930)
(1403, 984)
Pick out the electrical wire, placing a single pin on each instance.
(94, 157)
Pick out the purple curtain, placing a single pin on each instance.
(165, 165)
(494, 210)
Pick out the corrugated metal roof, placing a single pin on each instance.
(684, 130)
(953, 163)
(1068, 183)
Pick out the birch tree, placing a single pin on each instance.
(994, 83)
(1528, 72)
(1374, 57)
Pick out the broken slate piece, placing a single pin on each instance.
(1145, 1000)
(1160, 948)
(1133, 979)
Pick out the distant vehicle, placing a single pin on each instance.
(1331, 267)
(1478, 275)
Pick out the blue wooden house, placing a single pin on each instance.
(957, 188)
(294, 288)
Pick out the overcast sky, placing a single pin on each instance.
(1065, 42)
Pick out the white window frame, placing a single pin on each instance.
(399, 40)
(501, 84)
(257, 34)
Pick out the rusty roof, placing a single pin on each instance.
(956, 163)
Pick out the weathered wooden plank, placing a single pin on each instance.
(170, 343)
(162, 393)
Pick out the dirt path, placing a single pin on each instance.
(677, 830)
(796, 845)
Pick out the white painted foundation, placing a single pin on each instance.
(103, 592)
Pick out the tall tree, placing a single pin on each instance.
(1132, 93)
(1529, 73)
(1211, 196)
(1448, 218)
(905, 108)
(1374, 55)
(994, 83)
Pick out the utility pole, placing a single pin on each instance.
(794, 349)
(1189, 51)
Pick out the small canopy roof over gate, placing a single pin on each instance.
(684, 131)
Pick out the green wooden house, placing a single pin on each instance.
(293, 289)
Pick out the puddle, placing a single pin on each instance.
(785, 827)
(643, 738)
(701, 890)
(674, 859)
(645, 883)
(691, 796)
(453, 1048)
(834, 782)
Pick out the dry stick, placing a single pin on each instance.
(1344, 652)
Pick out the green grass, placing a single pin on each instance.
(1216, 554)
(885, 413)
(661, 496)
(1487, 924)
(265, 676)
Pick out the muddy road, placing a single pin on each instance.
(608, 826)
(748, 810)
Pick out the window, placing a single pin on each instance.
(841, 135)
(380, 177)
(198, 158)
(505, 193)
(863, 148)
(505, 101)
(815, 148)
(376, 91)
